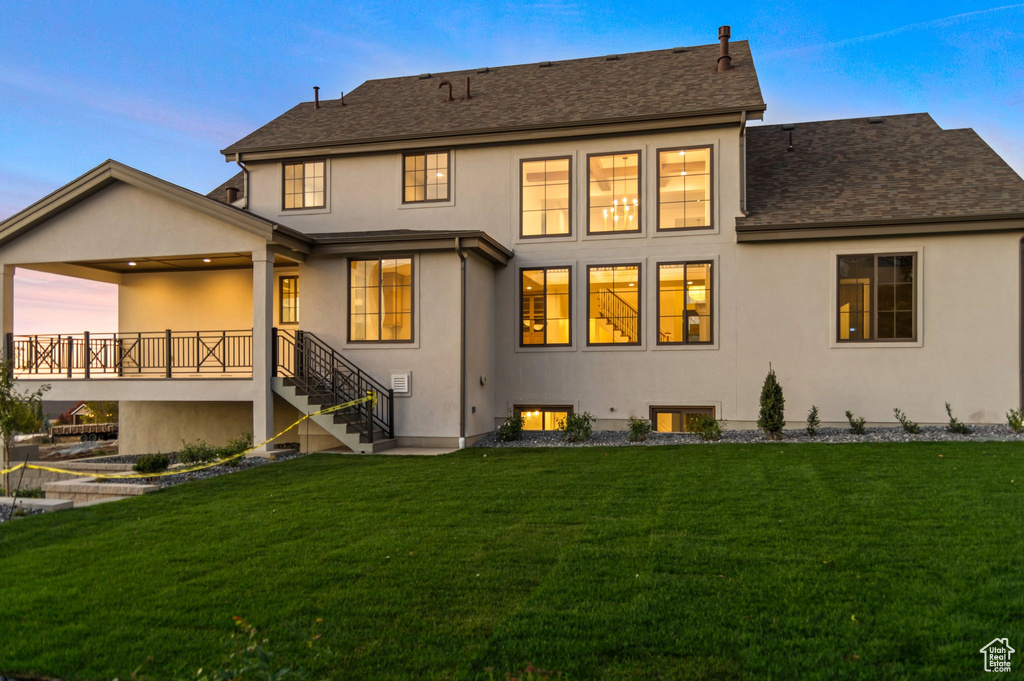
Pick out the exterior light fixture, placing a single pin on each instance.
(131, 263)
(206, 260)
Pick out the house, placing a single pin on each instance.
(613, 234)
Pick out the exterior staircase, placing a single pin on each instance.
(310, 375)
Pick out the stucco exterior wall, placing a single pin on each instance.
(310, 436)
(147, 427)
(219, 300)
(481, 355)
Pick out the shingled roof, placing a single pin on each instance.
(874, 171)
(662, 84)
(221, 192)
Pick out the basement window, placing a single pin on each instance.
(678, 419)
(304, 185)
(543, 418)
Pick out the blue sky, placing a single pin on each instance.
(163, 86)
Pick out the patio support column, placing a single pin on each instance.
(262, 322)
(7, 300)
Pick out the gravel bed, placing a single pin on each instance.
(620, 438)
(212, 472)
(5, 512)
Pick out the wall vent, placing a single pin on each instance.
(400, 383)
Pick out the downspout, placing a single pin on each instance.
(743, 163)
(462, 344)
(245, 182)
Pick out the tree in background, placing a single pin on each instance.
(19, 413)
(102, 412)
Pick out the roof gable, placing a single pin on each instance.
(641, 86)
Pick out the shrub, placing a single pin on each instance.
(1015, 420)
(235, 446)
(639, 429)
(813, 422)
(856, 424)
(512, 429)
(577, 427)
(955, 425)
(708, 427)
(196, 452)
(908, 425)
(32, 493)
(771, 418)
(152, 463)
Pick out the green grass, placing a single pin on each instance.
(719, 561)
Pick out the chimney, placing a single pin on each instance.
(316, 97)
(724, 60)
(232, 193)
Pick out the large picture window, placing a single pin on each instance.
(543, 418)
(288, 295)
(684, 188)
(545, 306)
(426, 177)
(684, 303)
(613, 305)
(546, 196)
(613, 193)
(380, 300)
(304, 185)
(876, 295)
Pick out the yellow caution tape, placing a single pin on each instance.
(372, 398)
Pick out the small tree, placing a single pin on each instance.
(813, 422)
(18, 413)
(771, 418)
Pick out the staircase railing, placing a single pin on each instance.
(324, 373)
(618, 312)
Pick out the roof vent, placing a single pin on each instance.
(483, 70)
(724, 60)
(424, 76)
(678, 50)
(788, 126)
(316, 97)
(544, 64)
(612, 57)
(232, 194)
(876, 120)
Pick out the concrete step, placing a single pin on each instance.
(87, 489)
(46, 505)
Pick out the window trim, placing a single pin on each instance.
(682, 409)
(915, 338)
(412, 301)
(302, 162)
(711, 301)
(572, 195)
(520, 408)
(280, 298)
(545, 344)
(639, 188)
(448, 179)
(711, 190)
(639, 306)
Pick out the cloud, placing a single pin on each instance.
(51, 303)
(108, 100)
(856, 40)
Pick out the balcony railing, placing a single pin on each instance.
(146, 354)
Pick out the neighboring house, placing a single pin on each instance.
(608, 235)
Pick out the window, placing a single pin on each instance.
(304, 185)
(545, 306)
(380, 300)
(426, 177)
(545, 196)
(289, 297)
(614, 305)
(543, 418)
(613, 193)
(684, 188)
(678, 419)
(684, 303)
(876, 297)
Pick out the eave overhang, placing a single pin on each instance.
(880, 228)
(370, 243)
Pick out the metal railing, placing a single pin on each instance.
(151, 354)
(323, 373)
(619, 313)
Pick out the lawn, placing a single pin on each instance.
(719, 561)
